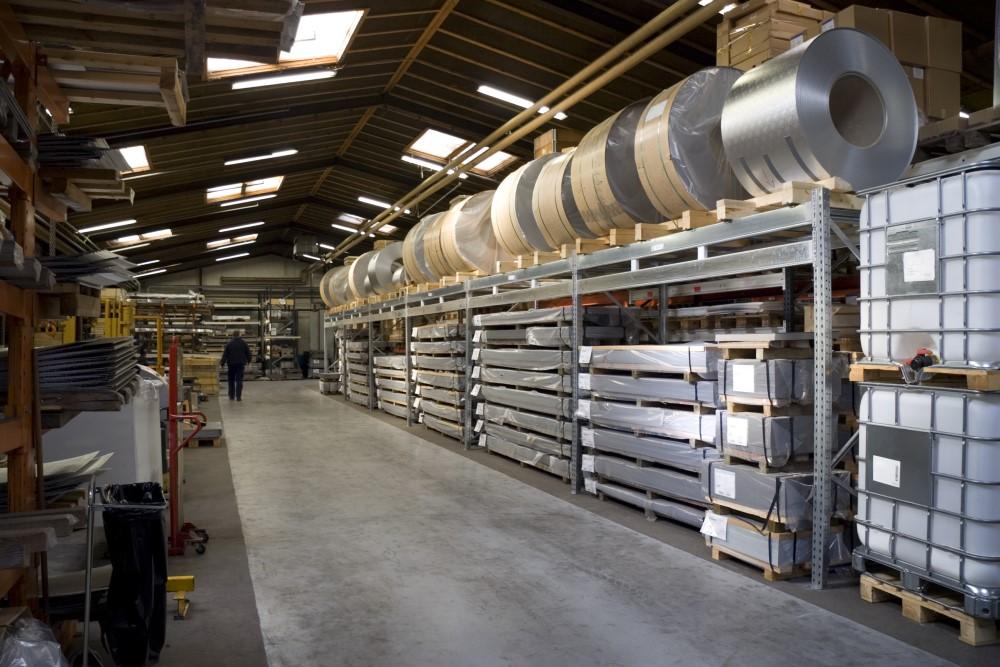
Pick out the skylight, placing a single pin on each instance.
(443, 147)
(135, 157)
(132, 239)
(219, 244)
(231, 191)
(321, 39)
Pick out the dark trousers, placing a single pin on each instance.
(236, 380)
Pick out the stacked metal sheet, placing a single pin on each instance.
(62, 476)
(390, 383)
(439, 363)
(358, 387)
(649, 426)
(522, 371)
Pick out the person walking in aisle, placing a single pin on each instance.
(236, 357)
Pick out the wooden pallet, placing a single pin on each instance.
(763, 350)
(789, 194)
(770, 572)
(875, 588)
(731, 457)
(764, 406)
(973, 379)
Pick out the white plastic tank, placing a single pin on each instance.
(930, 269)
(929, 484)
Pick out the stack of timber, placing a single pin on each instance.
(390, 383)
(760, 492)
(649, 426)
(438, 354)
(204, 370)
(523, 373)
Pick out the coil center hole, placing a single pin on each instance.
(857, 110)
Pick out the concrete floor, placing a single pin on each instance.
(368, 545)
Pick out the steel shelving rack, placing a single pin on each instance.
(765, 243)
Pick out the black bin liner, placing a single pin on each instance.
(134, 625)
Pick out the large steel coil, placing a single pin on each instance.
(357, 276)
(553, 205)
(414, 258)
(328, 286)
(340, 290)
(514, 222)
(837, 105)
(382, 267)
(433, 254)
(466, 235)
(677, 150)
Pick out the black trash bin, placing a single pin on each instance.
(134, 625)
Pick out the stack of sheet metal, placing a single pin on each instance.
(438, 351)
(390, 383)
(57, 150)
(101, 268)
(62, 476)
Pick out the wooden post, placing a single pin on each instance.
(194, 40)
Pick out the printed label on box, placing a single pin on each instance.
(585, 381)
(724, 483)
(585, 352)
(590, 486)
(583, 409)
(919, 265)
(743, 378)
(737, 430)
(587, 437)
(886, 471)
(587, 463)
(714, 525)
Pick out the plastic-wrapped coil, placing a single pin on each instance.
(413, 251)
(514, 222)
(328, 286)
(340, 289)
(357, 276)
(837, 105)
(596, 159)
(678, 154)
(553, 205)
(433, 254)
(468, 242)
(383, 265)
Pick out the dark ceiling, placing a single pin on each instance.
(412, 64)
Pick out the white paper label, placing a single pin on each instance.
(478, 336)
(656, 110)
(420, 418)
(583, 409)
(714, 525)
(656, 247)
(918, 265)
(475, 390)
(828, 24)
(479, 425)
(885, 471)
(416, 402)
(587, 437)
(590, 486)
(481, 409)
(743, 378)
(587, 463)
(737, 429)
(798, 39)
(724, 483)
(585, 352)
(584, 381)
(918, 72)
(417, 390)
(511, 276)
(475, 353)
(476, 370)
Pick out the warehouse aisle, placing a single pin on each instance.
(370, 546)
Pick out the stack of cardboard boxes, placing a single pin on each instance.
(929, 48)
(756, 31)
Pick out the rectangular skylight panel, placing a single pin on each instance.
(494, 162)
(135, 157)
(263, 185)
(323, 36)
(438, 144)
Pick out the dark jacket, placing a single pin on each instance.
(237, 352)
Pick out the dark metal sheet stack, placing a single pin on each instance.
(100, 268)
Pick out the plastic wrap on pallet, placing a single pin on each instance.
(780, 551)
(360, 399)
(559, 336)
(449, 412)
(529, 400)
(391, 396)
(438, 347)
(394, 373)
(658, 450)
(359, 389)
(357, 356)
(439, 379)
(448, 396)
(396, 361)
(599, 315)
(357, 368)
(777, 440)
(692, 516)
(748, 308)
(649, 388)
(661, 421)
(664, 481)
(393, 385)
(529, 440)
(441, 330)
(438, 363)
(551, 426)
(502, 336)
(444, 426)
(393, 409)
(700, 358)
(532, 379)
(784, 497)
(553, 464)
(528, 360)
(776, 381)
(357, 345)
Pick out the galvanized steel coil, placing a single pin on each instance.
(357, 276)
(514, 222)
(414, 258)
(466, 235)
(382, 267)
(328, 286)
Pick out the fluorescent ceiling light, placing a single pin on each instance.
(387, 229)
(105, 226)
(255, 158)
(380, 204)
(350, 218)
(158, 234)
(231, 245)
(149, 273)
(433, 166)
(245, 237)
(227, 257)
(246, 226)
(517, 100)
(344, 228)
(963, 114)
(728, 8)
(148, 262)
(312, 257)
(326, 246)
(239, 208)
(217, 243)
(281, 79)
(133, 177)
(136, 158)
(125, 240)
(131, 247)
(247, 200)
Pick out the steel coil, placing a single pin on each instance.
(468, 242)
(514, 222)
(414, 258)
(328, 286)
(433, 253)
(357, 276)
(553, 205)
(382, 267)
(837, 105)
(678, 154)
(340, 290)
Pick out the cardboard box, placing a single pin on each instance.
(916, 76)
(790, 7)
(908, 37)
(942, 93)
(555, 140)
(875, 22)
(944, 44)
